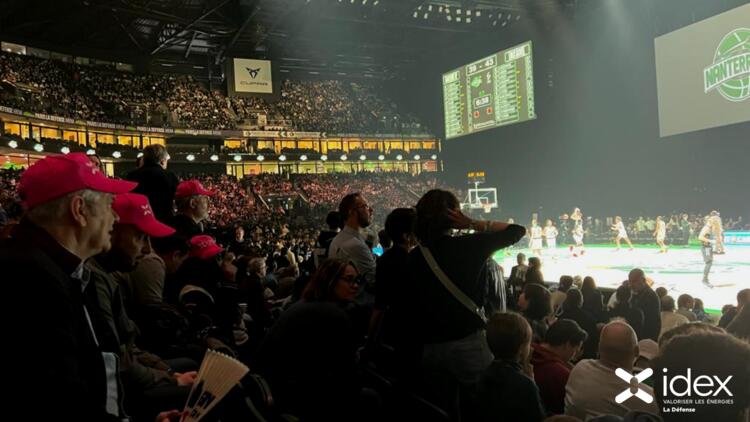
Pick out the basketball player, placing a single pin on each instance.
(661, 234)
(619, 227)
(550, 234)
(707, 249)
(578, 238)
(717, 232)
(535, 238)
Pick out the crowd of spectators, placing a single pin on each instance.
(336, 334)
(104, 94)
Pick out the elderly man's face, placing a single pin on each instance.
(129, 245)
(100, 221)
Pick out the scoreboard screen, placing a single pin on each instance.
(495, 91)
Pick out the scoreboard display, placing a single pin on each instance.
(495, 91)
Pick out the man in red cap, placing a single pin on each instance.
(191, 199)
(140, 371)
(68, 359)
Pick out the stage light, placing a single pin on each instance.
(282, 157)
(237, 158)
(518, 17)
(417, 157)
(429, 8)
(303, 157)
(376, 2)
(343, 157)
(117, 154)
(362, 157)
(140, 154)
(504, 23)
(381, 157)
(65, 150)
(90, 152)
(458, 11)
(468, 20)
(419, 7)
(323, 157)
(415, 15)
(458, 18)
(434, 156)
(13, 144)
(190, 157)
(364, 2)
(500, 15)
(440, 9)
(494, 23)
(478, 13)
(214, 157)
(260, 157)
(399, 157)
(468, 13)
(449, 18)
(426, 15)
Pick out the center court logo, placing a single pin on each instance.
(635, 382)
(730, 72)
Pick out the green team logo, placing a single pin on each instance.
(730, 72)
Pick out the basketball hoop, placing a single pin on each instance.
(487, 208)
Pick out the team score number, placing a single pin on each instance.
(515, 53)
(488, 62)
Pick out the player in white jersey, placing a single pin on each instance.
(578, 238)
(717, 230)
(622, 234)
(707, 247)
(550, 234)
(661, 234)
(535, 238)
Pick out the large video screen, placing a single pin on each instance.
(495, 91)
(703, 73)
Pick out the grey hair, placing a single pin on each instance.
(55, 210)
(155, 154)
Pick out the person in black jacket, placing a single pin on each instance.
(573, 310)
(455, 350)
(645, 299)
(65, 348)
(625, 310)
(156, 182)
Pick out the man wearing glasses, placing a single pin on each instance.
(350, 245)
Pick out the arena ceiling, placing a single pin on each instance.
(357, 38)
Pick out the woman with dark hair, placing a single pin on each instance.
(535, 304)
(623, 309)
(573, 309)
(309, 356)
(448, 284)
(592, 299)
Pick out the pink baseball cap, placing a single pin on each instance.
(133, 208)
(58, 175)
(204, 247)
(191, 188)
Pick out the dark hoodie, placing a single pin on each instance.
(551, 374)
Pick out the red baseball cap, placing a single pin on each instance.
(58, 175)
(133, 208)
(204, 247)
(190, 188)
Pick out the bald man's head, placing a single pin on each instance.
(618, 344)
